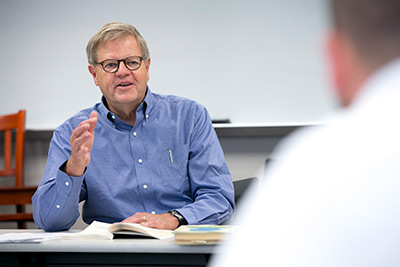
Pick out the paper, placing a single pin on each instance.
(28, 237)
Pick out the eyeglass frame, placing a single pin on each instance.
(119, 61)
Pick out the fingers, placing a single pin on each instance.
(83, 135)
(79, 136)
(78, 131)
(159, 221)
(81, 142)
(86, 127)
(139, 217)
(92, 121)
(93, 114)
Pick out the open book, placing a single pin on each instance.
(100, 230)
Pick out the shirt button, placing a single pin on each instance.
(153, 212)
(67, 183)
(145, 186)
(114, 126)
(134, 133)
(147, 116)
(58, 206)
(113, 117)
(140, 160)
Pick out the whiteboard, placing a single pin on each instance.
(248, 61)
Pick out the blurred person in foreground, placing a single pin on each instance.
(332, 198)
(136, 156)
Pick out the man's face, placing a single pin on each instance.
(124, 88)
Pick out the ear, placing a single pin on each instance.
(147, 68)
(93, 72)
(335, 59)
(348, 72)
(339, 65)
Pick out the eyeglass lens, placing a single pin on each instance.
(112, 65)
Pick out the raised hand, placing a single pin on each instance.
(81, 141)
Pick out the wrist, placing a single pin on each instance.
(71, 169)
(179, 217)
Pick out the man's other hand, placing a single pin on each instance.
(160, 221)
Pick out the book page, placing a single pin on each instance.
(156, 233)
(96, 230)
(100, 230)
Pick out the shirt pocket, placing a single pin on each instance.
(173, 161)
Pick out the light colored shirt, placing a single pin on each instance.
(332, 197)
(170, 159)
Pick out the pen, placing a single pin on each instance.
(170, 155)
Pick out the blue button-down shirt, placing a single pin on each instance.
(170, 159)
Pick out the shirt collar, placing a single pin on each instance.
(384, 82)
(147, 103)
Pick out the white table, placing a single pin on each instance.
(117, 252)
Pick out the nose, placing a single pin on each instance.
(122, 69)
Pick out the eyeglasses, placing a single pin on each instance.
(112, 65)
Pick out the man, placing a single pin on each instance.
(137, 156)
(332, 196)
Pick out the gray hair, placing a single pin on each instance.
(112, 31)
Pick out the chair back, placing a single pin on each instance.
(14, 124)
(12, 129)
(241, 187)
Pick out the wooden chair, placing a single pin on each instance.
(13, 125)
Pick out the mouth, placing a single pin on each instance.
(124, 85)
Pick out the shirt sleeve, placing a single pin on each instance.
(55, 203)
(210, 179)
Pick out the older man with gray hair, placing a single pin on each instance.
(136, 156)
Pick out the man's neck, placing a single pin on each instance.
(126, 113)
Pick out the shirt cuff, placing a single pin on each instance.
(69, 183)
